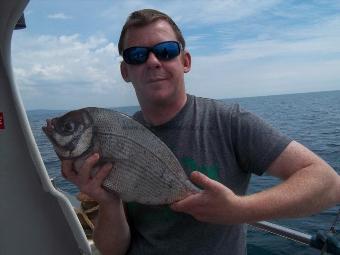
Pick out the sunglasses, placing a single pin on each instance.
(163, 51)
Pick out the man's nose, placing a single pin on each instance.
(152, 60)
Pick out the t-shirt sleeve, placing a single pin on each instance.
(256, 143)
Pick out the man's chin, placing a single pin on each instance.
(162, 97)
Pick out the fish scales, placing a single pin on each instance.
(145, 178)
(141, 182)
(144, 169)
(120, 125)
(138, 143)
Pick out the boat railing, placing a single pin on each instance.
(323, 241)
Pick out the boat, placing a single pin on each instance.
(36, 217)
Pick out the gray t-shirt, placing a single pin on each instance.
(227, 144)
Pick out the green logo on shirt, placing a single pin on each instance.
(210, 171)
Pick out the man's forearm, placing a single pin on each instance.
(310, 185)
(307, 191)
(112, 234)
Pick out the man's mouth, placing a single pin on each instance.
(156, 80)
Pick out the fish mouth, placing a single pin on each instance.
(49, 128)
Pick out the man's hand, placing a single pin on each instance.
(112, 232)
(215, 204)
(86, 182)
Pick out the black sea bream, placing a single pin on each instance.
(144, 169)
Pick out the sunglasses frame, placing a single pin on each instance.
(127, 58)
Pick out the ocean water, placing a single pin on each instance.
(312, 119)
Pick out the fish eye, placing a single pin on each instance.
(68, 126)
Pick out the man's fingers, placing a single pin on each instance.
(66, 163)
(67, 169)
(185, 205)
(102, 173)
(196, 200)
(204, 181)
(85, 172)
(81, 175)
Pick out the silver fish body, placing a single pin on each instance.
(144, 169)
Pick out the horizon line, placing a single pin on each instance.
(227, 98)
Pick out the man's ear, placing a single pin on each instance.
(186, 61)
(124, 72)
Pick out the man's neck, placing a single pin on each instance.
(159, 114)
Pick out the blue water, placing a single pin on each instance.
(312, 119)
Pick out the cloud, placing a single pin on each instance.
(219, 77)
(239, 48)
(190, 14)
(296, 60)
(219, 11)
(310, 41)
(59, 15)
(66, 69)
(197, 12)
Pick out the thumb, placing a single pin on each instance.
(204, 181)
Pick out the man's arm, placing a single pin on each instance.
(309, 186)
(111, 233)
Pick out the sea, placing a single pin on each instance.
(312, 119)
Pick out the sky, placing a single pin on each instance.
(67, 56)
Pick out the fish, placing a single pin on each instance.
(144, 170)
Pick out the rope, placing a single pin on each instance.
(331, 230)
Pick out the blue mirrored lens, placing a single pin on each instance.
(163, 51)
(135, 55)
(166, 50)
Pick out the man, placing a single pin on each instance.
(225, 143)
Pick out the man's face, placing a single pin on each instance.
(155, 81)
